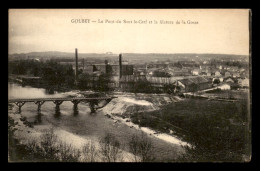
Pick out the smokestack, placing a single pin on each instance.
(120, 65)
(83, 63)
(76, 71)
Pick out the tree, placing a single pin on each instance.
(142, 148)
(134, 146)
(90, 151)
(216, 81)
(48, 142)
(170, 88)
(69, 76)
(102, 84)
(67, 153)
(84, 80)
(19, 68)
(110, 148)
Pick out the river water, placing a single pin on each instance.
(80, 122)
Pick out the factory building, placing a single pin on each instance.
(115, 71)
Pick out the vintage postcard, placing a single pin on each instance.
(129, 85)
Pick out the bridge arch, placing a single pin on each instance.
(93, 102)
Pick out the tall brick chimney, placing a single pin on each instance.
(76, 70)
(83, 64)
(120, 66)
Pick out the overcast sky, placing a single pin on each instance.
(219, 31)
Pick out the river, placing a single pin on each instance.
(80, 123)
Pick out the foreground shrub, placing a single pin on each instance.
(142, 148)
(110, 148)
(67, 153)
(90, 152)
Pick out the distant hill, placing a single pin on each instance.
(130, 56)
(57, 54)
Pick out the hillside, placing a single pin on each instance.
(130, 56)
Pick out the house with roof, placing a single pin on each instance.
(203, 73)
(158, 83)
(236, 75)
(229, 80)
(224, 87)
(195, 72)
(205, 62)
(233, 68)
(181, 72)
(241, 70)
(192, 84)
(218, 74)
(227, 74)
(243, 82)
(209, 74)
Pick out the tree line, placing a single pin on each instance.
(56, 75)
(50, 71)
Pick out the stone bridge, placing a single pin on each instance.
(93, 102)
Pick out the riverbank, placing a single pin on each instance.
(121, 109)
(77, 139)
(82, 127)
(25, 136)
(170, 138)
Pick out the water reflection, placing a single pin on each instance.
(75, 110)
(38, 118)
(57, 114)
(93, 113)
(17, 91)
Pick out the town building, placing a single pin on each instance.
(236, 75)
(227, 74)
(126, 82)
(194, 84)
(218, 74)
(195, 72)
(229, 80)
(224, 87)
(243, 82)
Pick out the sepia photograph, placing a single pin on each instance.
(129, 85)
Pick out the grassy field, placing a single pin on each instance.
(235, 94)
(217, 131)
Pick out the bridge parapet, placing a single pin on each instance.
(58, 101)
(62, 99)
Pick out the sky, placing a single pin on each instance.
(224, 31)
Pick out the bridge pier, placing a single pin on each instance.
(39, 103)
(19, 104)
(108, 100)
(75, 102)
(92, 107)
(58, 103)
(38, 117)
